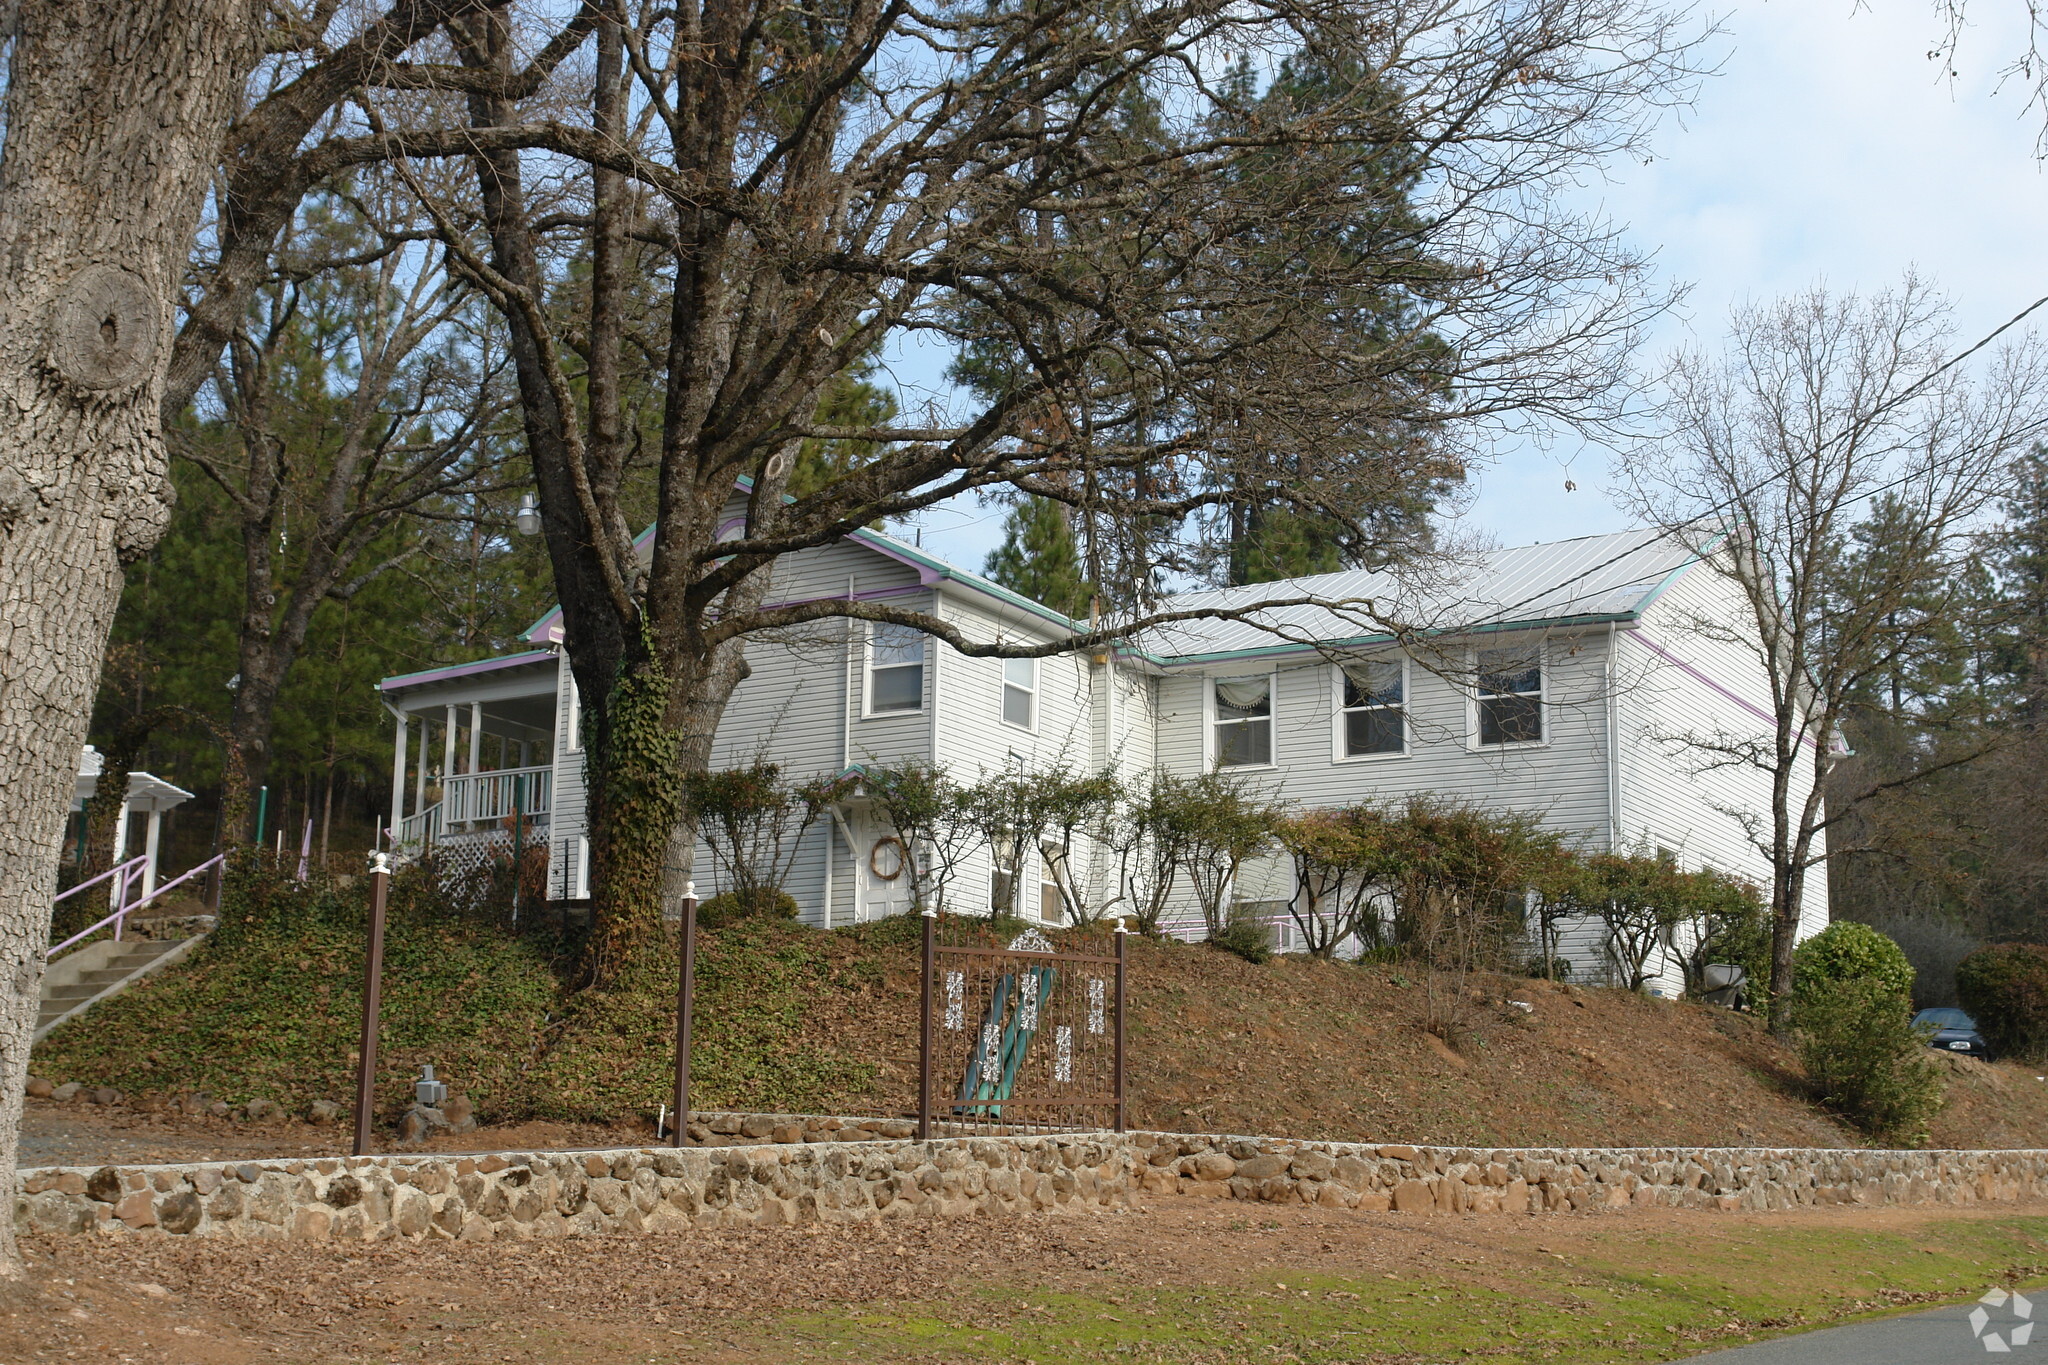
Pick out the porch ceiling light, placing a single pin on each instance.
(528, 516)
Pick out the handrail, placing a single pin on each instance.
(122, 913)
(137, 861)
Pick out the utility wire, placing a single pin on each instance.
(1743, 494)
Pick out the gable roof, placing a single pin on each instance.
(1584, 581)
(930, 570)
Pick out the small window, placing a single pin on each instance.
(895, 669)
(572, 742)
(1051, 908)
(1244, 721)
(1002, 878)
(1375, 696)
(1020, 692)
(1510, 696)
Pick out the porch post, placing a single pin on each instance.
(419, 773)
(120, 855)
(398, 775)
(476, 737)
(448, 751)
(150, 841)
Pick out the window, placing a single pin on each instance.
(1375, 694)
(1051, 908)
(1244, 721)
(1020, 692)
(1002, 877)
(895, 669)
(1510, 696)
(572, 742)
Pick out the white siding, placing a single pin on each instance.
(1682, 684)
(566, 806)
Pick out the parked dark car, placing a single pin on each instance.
(1954, 1031)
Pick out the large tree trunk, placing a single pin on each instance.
(115, 112)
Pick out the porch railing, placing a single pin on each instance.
(423, 827)
(471, 797)
(479, 799)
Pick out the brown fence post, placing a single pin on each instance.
(373, 989)
(924, 1030)
(686, 999)
(1122, 936)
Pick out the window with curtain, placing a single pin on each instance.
(895, 669)
(1375, 698)
(1020, 692)
(1244, 721)
(1510, 696)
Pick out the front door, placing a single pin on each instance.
(885, 873)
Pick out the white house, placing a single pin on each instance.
(1561, 680)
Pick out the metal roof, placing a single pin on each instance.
(1592, 578)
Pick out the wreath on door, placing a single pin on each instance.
(888, 841)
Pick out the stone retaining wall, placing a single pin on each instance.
(564, 1194)
(1557, 1180)
(803, 1180)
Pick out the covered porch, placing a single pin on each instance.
(473, 752)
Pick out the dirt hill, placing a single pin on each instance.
(795, 1020)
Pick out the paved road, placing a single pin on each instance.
(1942, 1336)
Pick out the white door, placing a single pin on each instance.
(885, 874)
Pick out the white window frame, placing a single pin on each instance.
(1541, 651)
(867, 691)
(1030, 692)
(1212, 752)
(572, 742)
(1338, 712)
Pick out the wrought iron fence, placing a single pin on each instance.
(1018, 1034)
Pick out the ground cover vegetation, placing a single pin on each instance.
(792, 1019)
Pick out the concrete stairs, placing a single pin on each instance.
(99, 971)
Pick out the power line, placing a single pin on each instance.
(1743, 494)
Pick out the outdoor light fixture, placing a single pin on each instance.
(528, 517)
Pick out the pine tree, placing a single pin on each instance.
(1038, 557)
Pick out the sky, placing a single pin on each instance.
(1828, 149)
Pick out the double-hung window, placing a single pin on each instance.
(1020, 692)
(895, 669)
(1510, 696)
(1374, 707)
(1244, 721)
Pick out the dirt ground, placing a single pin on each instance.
(746, 1297)
(1337, 1052)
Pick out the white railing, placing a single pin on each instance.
(420, 828)
(471, 797)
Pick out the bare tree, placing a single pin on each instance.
(361, 389)
(114, 113)
(770, 197)
(1769, 455)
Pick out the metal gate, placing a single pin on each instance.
(1018, 1035)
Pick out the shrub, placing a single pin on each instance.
(1246, 937)
(2005, 989)
(1866, 1061)
(1847, 951)
(728, 907)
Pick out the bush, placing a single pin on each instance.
(2005, 989)
(1247, 938)
(729, 907)
(1847, 951)
(1866, 1061)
